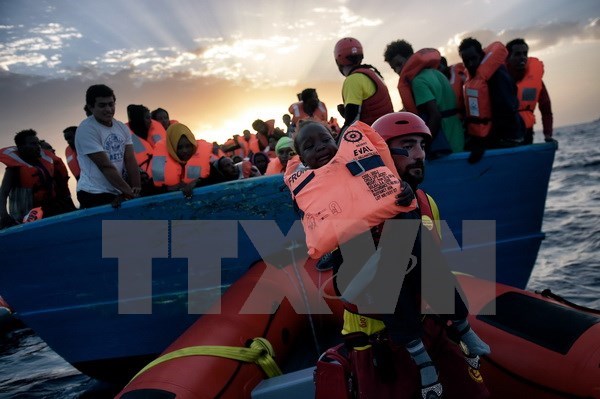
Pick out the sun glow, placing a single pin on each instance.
(240, 121)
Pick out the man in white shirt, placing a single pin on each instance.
(109, 171)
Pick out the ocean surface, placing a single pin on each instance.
(567, 263)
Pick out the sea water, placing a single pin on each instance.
(567, 263)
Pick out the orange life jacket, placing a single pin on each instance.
(72, 161)
(378, 104)
(168, 172)
(429, 218)
(476, 92)
(298, 113)
(458, 76)
(251, 145)
(274, 167)
(29, 175)
(529, 89)
(422, 59)
(143, 149)
(356, 190)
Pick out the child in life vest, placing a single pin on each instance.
(316, 148)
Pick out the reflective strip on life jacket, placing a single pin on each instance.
(478, 108)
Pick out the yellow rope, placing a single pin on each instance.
(260, 352)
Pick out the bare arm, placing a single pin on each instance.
(434, 117)
(8, 182)
(111, 173)
(546, 111)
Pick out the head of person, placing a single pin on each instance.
(28, 144)
(310, 100)
(397, 53)
(261, 161)
(69, 135)
(139, 119)
(247, 134)
(237, 159)
(100, 101)
(315, 144)
(287, 119)
(406, 135)
(226, 167)
(472, 54)
(261, 127)
(348, 53)
(284, 149)
(161, 115)
(47, 146)
(443, 67)
(181, 142)
(518, 51)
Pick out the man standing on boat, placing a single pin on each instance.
(365, 95)
(109, 170)
(426, 91)
(490, 99)
(527, 72)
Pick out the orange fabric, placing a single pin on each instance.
(478, 109)
(72, 161)
(338, 205)
(299, 114)
(143, 149)
(168, 172)
(29, 174)
(529, 89)
(274, 167)
(378, 104)
(251, 145)
(422, 59)
(458, 76)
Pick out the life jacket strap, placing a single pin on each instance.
(360, 166)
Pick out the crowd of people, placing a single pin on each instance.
(487, 101)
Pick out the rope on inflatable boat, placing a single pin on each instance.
(260, 352)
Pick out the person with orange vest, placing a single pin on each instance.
(490, 96)
(284, 150)
(425, 91)
(180, 161)
(70, 153)
(264, 130)
(527, 72)
(161, 115)
(33, 178)
(251, 142)
(145, 133)
(364, 92)
(309, 107)
(456, 75)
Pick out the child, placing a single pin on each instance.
(316, 148)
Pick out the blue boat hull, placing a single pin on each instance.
(61, 274)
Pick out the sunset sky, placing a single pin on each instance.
(218, 65)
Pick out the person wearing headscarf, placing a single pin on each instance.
(179, 163)
(284, 151)
(261, 161)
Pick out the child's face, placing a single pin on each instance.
(316, 146)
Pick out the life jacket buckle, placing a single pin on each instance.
(356, 167)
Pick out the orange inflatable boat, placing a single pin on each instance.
(542, 347)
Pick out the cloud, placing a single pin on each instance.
(39, 46)
(539, 37)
